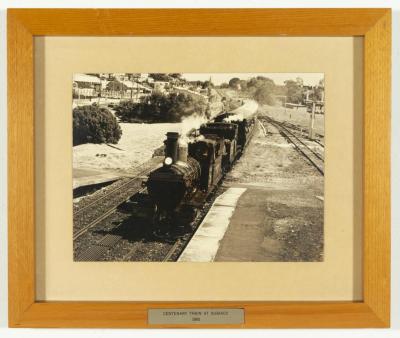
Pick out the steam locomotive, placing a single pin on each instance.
(192, 169)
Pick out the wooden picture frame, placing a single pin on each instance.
(372, 24)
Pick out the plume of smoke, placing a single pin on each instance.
(199, 138)
(246, 111)
(236, 117)
(192, 122)
(183, 141)
(188, 124)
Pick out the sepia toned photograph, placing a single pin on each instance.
(198, 167)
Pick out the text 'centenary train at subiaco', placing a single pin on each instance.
(194, 166)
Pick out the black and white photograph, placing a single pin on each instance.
(198, 167)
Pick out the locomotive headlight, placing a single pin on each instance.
(168, 161)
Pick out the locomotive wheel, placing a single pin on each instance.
(187, 215)
(157, 217)
(169, 225)
(162, 224)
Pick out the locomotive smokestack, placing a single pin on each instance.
(182, 151)
(171, 146)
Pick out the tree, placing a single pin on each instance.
(243, 85)
(92, 124)
(262, 89)
(182, 106)
(263, 95)
(260, 81)
(159, 77)
(151, 109)
(294, 92)
(175, 75)
(207, 84)
(234, 83)
(320, 90)
(116, 86)
(299, 81)
(159, 107)
(280, 90)
(196, 83)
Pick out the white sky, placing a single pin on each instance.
(279, 78)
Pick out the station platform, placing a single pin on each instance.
(270, 208)
(251, 223)
(205, 243)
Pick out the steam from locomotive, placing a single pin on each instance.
(192, 169)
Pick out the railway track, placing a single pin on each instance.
(313, 157)
(110, 245)
(303, 132)
(98, 209)
(109, 241)
(145, 248)
(171, 252)
(319, 143)
(123, 195)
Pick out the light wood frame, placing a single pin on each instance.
(372, 24)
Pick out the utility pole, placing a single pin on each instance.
(137, 89)
(290, 115)
(311, 133)
(132, 93)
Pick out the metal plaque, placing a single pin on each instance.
(195, 316)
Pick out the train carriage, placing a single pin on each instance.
(191, 170)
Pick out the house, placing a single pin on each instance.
(125, 89)
(143, 77)
(86, 85)
(160, 86)
(135, 90)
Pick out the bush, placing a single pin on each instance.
(92, 124)
(160, 108)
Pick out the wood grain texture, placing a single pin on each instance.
(199, 22)
(21, 201)
(257, 314)
(376, 180)
(373, 24)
